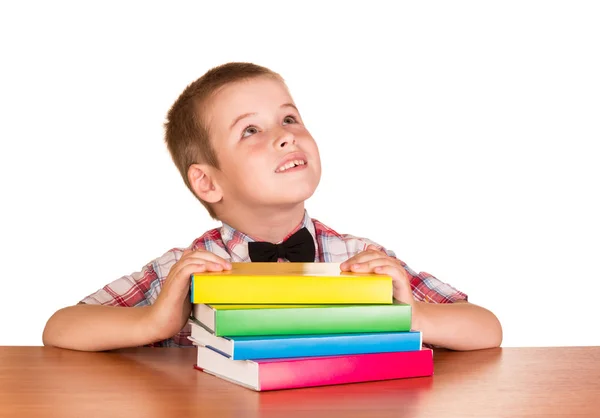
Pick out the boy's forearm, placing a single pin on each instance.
(457, 326)
(96, 327)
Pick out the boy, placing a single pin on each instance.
(241, 147)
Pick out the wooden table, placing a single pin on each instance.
(160, 382)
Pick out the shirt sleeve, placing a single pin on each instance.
(137, 289)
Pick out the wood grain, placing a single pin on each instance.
(161, 382)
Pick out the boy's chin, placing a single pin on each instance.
(287, 195)
(302, 193)
(293, 197)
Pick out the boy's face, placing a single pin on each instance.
(266, 155)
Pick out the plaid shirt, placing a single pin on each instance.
(142, 288)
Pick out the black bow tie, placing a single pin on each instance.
(299, 247)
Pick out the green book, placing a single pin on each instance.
(245, 320)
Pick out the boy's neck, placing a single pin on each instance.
(268, 225)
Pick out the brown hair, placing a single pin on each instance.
(186, 132)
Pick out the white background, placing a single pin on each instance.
(462, 135)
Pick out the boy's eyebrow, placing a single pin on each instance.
(245, 115)
(240, 117)
(289, 105)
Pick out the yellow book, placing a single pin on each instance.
(290, 283)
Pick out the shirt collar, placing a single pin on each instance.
(236, 242)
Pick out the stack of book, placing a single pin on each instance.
(269, 326)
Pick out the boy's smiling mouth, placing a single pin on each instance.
(293, 162)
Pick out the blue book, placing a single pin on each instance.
(290, 346)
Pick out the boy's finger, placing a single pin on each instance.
(183, 271)
(185, 253)
(372, 247)
(209, 257)
(402, 289)
(370, 265)
(214, 267)
(179, 280)
(360, 258)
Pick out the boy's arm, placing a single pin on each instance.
(100, 327)
(458, 326)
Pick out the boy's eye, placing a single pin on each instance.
(289, 119)
(250, 130)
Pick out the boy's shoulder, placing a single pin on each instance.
(211, 241)
(340, 245)
(208, 241)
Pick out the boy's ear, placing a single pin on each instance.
(202, 180)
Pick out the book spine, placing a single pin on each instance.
(216, 289)
(307, 321)
(324, 345)
(323, 371)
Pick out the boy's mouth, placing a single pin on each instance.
(291, 162)
(290, 165)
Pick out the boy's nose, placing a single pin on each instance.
(284, 138)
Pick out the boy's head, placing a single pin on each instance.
(239, 142)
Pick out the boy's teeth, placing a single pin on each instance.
(290, 164)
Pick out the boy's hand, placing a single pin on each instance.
(172, 308)
(372, 260)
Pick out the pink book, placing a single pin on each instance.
(263, 375)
